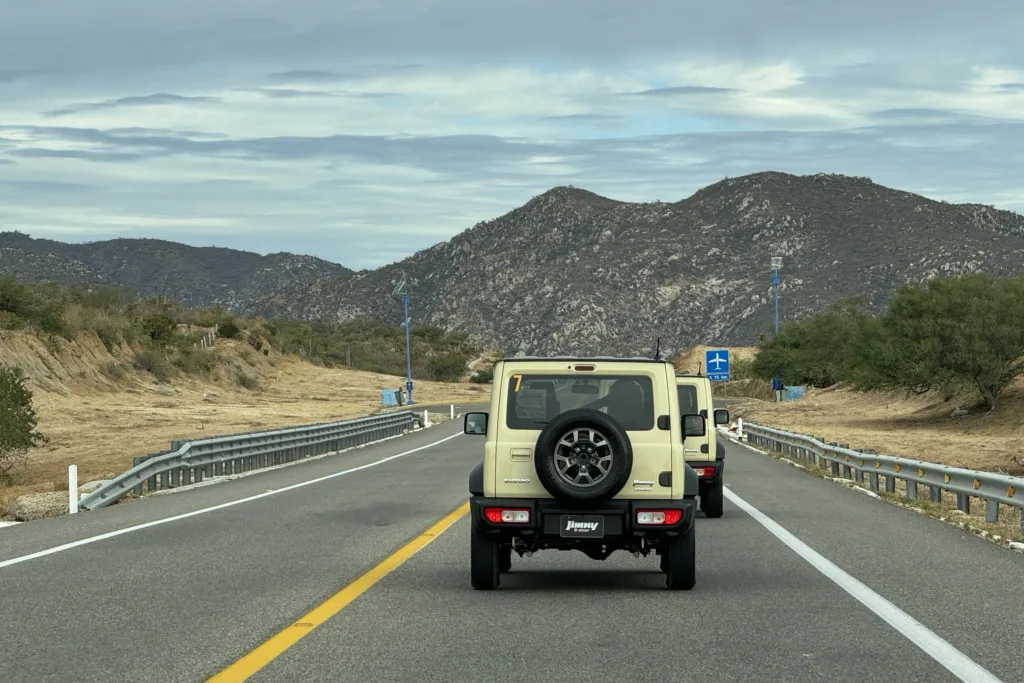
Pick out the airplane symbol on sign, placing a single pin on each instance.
(717, 360)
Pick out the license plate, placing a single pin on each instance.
(582, 526)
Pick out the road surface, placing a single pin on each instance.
(186, 598)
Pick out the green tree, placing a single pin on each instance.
(820, 351)
(966, 331)
(18, 431)
(158, 327)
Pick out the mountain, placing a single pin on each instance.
(574, 272)
(196, 276)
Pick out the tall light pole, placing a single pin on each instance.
(776, 265)
(403, 289)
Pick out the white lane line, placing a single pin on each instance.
(203, 511)
(956, 662)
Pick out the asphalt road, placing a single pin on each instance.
(181, 600)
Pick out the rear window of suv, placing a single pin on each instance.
(534, 400)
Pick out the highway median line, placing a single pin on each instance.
(270, 650)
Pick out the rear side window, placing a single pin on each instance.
(687, 399)
(534, 400)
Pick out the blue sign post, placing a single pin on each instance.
(717, 364)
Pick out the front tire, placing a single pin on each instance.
(483, 561)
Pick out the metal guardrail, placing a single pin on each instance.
(190, 461)
(991, 488)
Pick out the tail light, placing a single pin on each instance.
(507, 515)
(704, 471)
(658, 517)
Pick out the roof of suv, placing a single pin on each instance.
(585, 359)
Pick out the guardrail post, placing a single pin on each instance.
(911, 489)
(963, 502)
(991, 511)
(935, 493)
(72, 489)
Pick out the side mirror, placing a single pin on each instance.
(475, 423)
(721, 417)
(693, 425)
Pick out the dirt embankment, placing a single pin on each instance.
(98, 411)
(920, 427)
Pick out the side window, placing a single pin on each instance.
(688, 399)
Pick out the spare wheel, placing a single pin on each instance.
(583, 455)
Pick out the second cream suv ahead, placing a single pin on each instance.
(704, 454)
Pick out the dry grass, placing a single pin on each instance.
(98, 418)
(911, 427)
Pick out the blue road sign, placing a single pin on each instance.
(717, 363)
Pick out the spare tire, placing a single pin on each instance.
(583, 455)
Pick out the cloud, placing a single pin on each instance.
(682, 90)
(155, 99)
(306, 76)
(367, 130)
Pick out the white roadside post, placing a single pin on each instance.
(426, 418)
(453, 411)
(739, 428)
(72, 489)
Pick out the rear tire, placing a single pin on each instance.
(483, 561)
(681, 571)
(505, 559)
(713, 500)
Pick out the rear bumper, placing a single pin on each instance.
(548, 518)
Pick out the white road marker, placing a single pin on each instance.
(194, 513)
(954, 661)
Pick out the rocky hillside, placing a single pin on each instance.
(196, 276)
(571, 271)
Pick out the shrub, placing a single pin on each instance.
(447, 368)
(483, 376)
(158, 327)
(248, 382)
(18, 431)
(154, 362)
(229, 329)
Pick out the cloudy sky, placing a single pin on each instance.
(364, 130)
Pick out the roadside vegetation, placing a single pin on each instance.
(93, 376)
(166, 338)
(950, 336)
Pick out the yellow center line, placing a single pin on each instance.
(249, 664)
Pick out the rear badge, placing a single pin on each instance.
(517, 481)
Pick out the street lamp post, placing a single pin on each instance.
(403, 288)
(776, 265)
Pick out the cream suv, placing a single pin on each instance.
(706, 455)
(583, 454)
